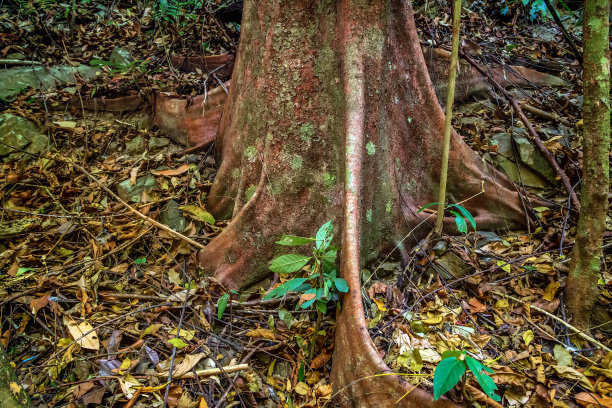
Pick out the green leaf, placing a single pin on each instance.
(21, 271)
(321, 306)
(281, 290)
(486, 382)
(341, 285)
(466, 214)
(199, 213)
(178, 343)
(301, 373)
(289, 263)
(448, 373)
(451, 353)
(324, 236)
(330, 256)
(221, 305)
(427, 206)
(461, 224)
(292, 240)
(140, 261)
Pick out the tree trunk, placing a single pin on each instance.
(12, 395)
(332, 115)
(584, 268)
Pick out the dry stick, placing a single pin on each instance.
(546, 115)
(448, 116)
(209, 372)
(132, 209)
(226, 393)
(531, 133)
(18, 62)
(567, 36)
(555, 318)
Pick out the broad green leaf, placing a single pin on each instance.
(21, 271)
(427, 206)
(289, 263)
(178, 343)
(321, 306)
(448, 373)
(292, 240)
(330, 256)
(308, 303)
(198, 212)
(461, 224)
(486, 382)
(301, 372)
(324, 236)
(221, 305)
(466, 214)
(286, 317)
(341, 285)
(140, 261)
(281, 290)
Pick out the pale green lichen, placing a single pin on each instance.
(306, 131)
(269, 137)
(328, 179)
(248, 194)
(296, 163)
(371, 148)
(388, 207)
(369, 215)
(236, 173)
(250, 153)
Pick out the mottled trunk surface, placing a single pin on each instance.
(586, 256)
(12, 395)
(332, 115)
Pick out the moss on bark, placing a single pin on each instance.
(12, 394)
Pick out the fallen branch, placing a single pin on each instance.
(531, 133)
(18, 62)
(208, 372)
(555, 318)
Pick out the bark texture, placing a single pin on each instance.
(584, 268)
(12, 395)
(332, 115)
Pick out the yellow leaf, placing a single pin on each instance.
(262, 333)
(551, 291)
(527, 337)
(433, 319)
(203, 403)
(15, 388)
(301, 388)
(125, 364)
(504, 265)
(380, 304)
(502, 304)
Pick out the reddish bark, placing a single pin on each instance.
(332, 115)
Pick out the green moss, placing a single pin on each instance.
(371, 148)
(369, 215)
(248, 194)
(236, 172)
(388, 207)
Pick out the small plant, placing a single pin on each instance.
(461, 216)
(452, 369)
(537, 7)
(320, 282)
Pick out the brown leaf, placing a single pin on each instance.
(13, 270)
(262, 333)
(39, 303)
(590, 400)
(82, 389)
(476, 306)
(320, 360)
(171, 172)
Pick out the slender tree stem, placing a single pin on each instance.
(449, 114)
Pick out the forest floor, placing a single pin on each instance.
(92, 312)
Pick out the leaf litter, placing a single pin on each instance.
(93, 312)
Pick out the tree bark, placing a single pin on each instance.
(332, 115)
(584, 267)
(12, 395)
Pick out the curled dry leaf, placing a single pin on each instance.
(320, 360)
(590, 400)
(83, 333)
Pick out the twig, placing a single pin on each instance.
(555, 318)
(209, 372)
(132, 209)
(567, 36)
(18, 62)
(244, 360)
(546, 115)
(531, 133)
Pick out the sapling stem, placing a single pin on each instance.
(313, 343)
